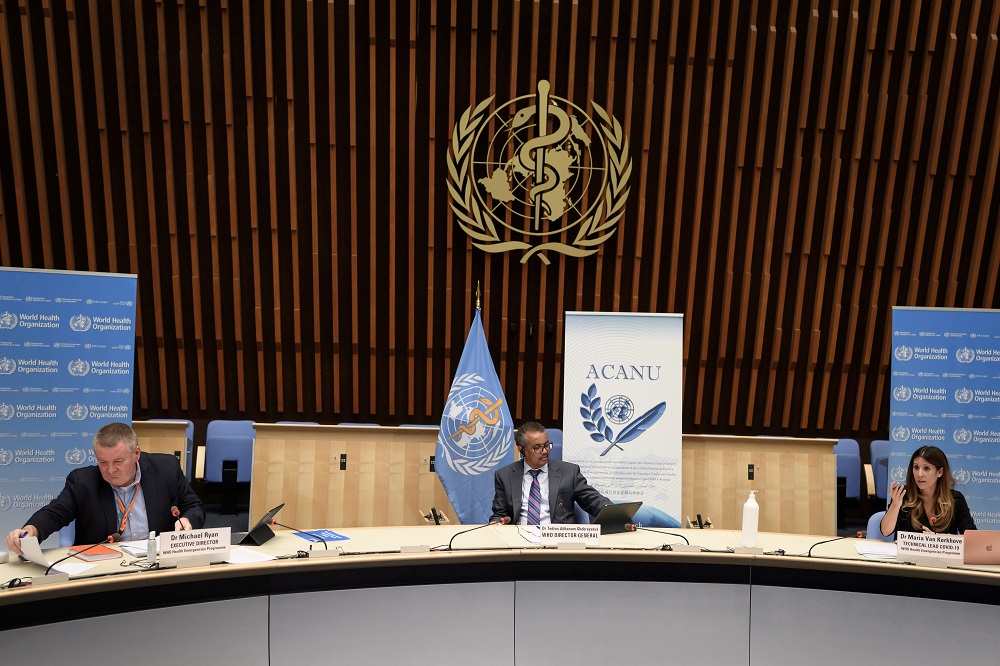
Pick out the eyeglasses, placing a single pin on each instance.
(542, 448)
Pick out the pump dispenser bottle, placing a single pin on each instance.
(751, 512)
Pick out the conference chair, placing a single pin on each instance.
(189, 453)
(848, 456)
(874, 530)
(229, 457)
(880, 467)
(67, 535)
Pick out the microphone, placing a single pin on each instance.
(632, 527)
(319, 539)
(112, 538)
(501, 521)
(176, 513)
(436, 516)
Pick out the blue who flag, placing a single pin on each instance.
(477, 432)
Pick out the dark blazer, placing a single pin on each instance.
(961, 520)
(566, 486)
(88, 499)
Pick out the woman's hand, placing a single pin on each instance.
(897, 491)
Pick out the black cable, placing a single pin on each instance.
(650, 529)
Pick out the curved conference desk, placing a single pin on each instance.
(499, 599)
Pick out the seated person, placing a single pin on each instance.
(928, 502)
(126, 493)
(539, 491)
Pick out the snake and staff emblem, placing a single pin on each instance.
(541, 167)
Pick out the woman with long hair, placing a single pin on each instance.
(928, 502)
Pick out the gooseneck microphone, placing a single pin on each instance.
(810, 553)
(502, 521)
(436, 516)
(176, 513)
(317, 538)
(632, 527)
(112, 538)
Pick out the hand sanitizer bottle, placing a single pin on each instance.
(751, 511)
(151, 549)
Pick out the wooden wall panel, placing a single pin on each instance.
(275, 173)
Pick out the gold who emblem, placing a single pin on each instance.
(547, 169)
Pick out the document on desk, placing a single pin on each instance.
(240, 555)
(33, 552)
(878, 550)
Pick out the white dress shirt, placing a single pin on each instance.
(545, 517)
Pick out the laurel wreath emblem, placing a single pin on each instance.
(600, 431)
(597, 226)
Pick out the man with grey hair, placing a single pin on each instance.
(538, 491)
(126, 493)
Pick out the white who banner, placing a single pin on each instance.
(623, 386)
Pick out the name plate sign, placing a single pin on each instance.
(212, 544)
(932, 549)
(577, 535)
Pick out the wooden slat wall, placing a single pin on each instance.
(275, 173)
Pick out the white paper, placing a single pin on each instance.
(74, 567)
(138, 548)
(873, 548)
(239, 555)
(33, 552)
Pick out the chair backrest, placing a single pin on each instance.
(847, 446)
(67, 535)
(555, 436)
(849, 465)
(189, 453)
(229, 440)
(880, 467)
(874, 528)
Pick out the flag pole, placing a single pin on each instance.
(477, 295)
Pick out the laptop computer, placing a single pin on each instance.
(614, 517)
(982, 547)
(261, 532)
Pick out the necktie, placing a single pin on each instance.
(534, 498)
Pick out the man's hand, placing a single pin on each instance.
(14, 538)
(182, 524)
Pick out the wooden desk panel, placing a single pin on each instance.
(163, 437)
(796, 480)
(387, 480)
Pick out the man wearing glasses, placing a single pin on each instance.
(539, 491)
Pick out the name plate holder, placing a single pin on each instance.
(195, 548)
(51, 579)
(930, 550)
(570, 536)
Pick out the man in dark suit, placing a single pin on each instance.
(126, 492)
(539, 491)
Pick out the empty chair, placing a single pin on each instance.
(849, 465)
(229, 441)
(874, 530)
(189, 449)
(880, 467)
